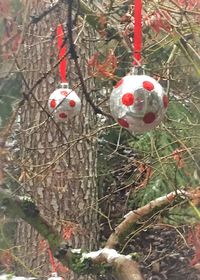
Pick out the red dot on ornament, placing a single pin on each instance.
(128, 99)
(149, 117)
(148, 85)
(165, 101)
(123, 123)
(63, 92)
(119, 83)
(62, 115)
(72, 103)
(53, 103)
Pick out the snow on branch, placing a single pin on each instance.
(12, 277)
(123, 266)
(53, 276)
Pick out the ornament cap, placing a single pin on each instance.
(64, 85)
(137, 70)
(54, 276)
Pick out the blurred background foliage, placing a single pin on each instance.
(10, 36)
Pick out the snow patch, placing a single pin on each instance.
(12, 277)
(112, 254)
(76, 251)
(91, 255)
(109, 254)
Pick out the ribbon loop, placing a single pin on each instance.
(137, 33)
(62, 51)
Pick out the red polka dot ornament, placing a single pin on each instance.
(138, 103)
(63, 103)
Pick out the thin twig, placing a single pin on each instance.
(74, 56)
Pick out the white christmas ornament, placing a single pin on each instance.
(138, 103)
(64, 103)
(54, 276)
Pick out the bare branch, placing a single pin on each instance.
(36, 18)
(124, 267)
(125, 227)
(74, 56)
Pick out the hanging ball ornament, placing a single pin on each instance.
(64, 103)
(54, 276)
(138, 103)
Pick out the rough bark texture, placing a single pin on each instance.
(64, 189)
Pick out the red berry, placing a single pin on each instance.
(128, 99)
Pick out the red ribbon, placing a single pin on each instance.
(62, 51)
(53, 265)
(137, 32)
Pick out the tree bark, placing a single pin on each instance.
(57, 170)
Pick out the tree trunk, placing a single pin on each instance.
(57, 170)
